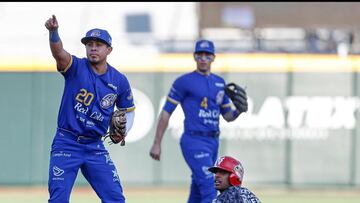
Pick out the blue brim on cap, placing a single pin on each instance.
(204, 50)
(87, 39)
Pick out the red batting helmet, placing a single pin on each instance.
(232, 166)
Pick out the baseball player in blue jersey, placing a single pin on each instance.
(203, 99)
(92, 89)
(228, 180)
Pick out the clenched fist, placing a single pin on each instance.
(51, 24)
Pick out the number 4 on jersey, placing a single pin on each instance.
(204, 103)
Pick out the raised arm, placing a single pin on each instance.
(163, 122)
(61, 56)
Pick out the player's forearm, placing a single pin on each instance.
(56, 49)
(60, 55)
(129, 120)
(161, 127)
(55, 43)
(160, 130)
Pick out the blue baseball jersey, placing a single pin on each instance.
(89, 99)
(237, 194)
(202, 98)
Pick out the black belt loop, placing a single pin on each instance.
(204, 133)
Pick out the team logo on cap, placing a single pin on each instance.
(95, 33)
(205, 44)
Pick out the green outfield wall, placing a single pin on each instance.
(302, 127)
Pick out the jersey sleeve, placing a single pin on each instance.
(70, 70)
(175, 96)
(125, 98)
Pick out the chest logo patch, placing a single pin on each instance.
(108, 101)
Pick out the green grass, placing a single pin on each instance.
(179, 195)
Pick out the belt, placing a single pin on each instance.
(79, 138)
(204, 133)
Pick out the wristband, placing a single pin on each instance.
(54, 36)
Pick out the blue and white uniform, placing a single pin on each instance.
(87, 104)
(202, 99)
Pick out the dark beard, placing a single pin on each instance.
(93, 62)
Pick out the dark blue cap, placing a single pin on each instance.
(98, 35)
(205, 46)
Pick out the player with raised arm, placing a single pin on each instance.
(92, 89)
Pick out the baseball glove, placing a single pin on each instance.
(117, 128)
(238, 96)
